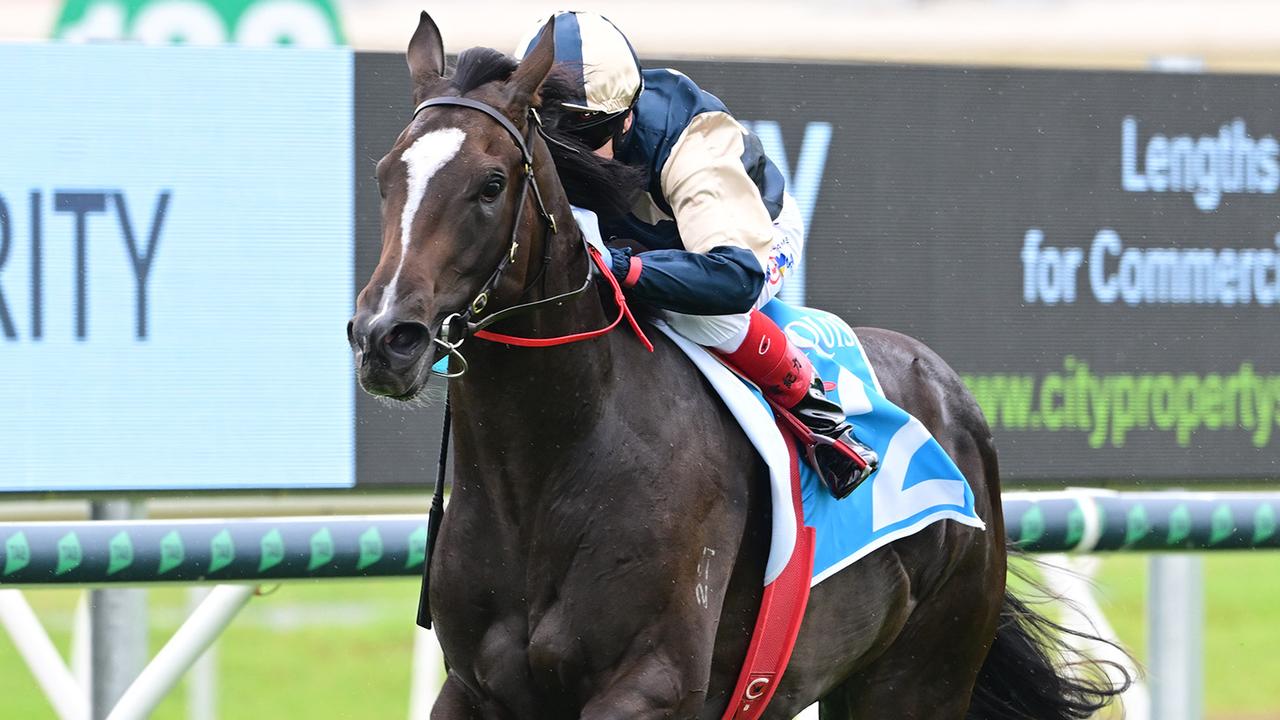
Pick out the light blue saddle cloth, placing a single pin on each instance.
(917, 484)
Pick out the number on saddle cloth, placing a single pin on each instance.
(917, 483)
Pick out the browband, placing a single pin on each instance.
(502, 120)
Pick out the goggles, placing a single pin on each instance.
(592, 128)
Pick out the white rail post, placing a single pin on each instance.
(33, 643)
(1175, 632)
(118, 625)
(81, 653)
(183, 649)
(202, 680)
(428, 673)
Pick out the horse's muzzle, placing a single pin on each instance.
(390, 354)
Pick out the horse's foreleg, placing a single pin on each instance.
(650, 687)
(454, 702)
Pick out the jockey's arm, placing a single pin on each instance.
(723, 222)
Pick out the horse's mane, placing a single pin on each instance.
(607, 187)
(480, 66)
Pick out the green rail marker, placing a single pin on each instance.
(172, 552)
(1264, 524)
(222, 550)
(321, 549)
(1179, 525)
(17, 553)
(1222, 524)
(417, 547)
(370, 548)
(272, 550)
(1075, 526)
(1032, 526)
(70, 554)
(120, 551)
(1136, 525)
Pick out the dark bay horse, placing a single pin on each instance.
(604, 548)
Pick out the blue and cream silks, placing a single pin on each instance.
(711, 173)
(706, 170)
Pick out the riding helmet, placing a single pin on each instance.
(606, 69)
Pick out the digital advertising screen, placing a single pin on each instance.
(175, 268)
(183, 231)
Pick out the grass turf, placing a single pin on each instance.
(343, 649)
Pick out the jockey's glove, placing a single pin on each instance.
(620, 262)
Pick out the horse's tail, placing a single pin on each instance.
(1028, 673)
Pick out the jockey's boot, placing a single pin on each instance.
(840, 458)
(788, 380)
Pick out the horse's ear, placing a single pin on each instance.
(426, 52)
(532, 71)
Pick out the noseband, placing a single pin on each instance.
(466, 319)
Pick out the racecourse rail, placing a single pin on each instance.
(278, 549)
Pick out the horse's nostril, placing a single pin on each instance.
(351, 333)
(405, 338)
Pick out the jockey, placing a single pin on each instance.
(717, 229)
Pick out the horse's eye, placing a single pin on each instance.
(491, 189)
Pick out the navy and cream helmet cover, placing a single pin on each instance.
(608, 71)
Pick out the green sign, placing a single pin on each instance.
(1264, 524)
(120, 552)
(1179, 525)
(370, 548)
(70, 554)
(1222, 524)
(1136, 525)
(1032, 526)
(17, 553)
(222, 550)
(272, 550)
(307, 23)
(1075, 527)
(417, 547)
(172, 552)
(321, 549)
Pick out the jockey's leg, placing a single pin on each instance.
(764, 355)
(756, 347)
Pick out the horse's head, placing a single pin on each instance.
(452, 203)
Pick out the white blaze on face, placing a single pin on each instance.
(424, 157)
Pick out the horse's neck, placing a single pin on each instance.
(520, 411)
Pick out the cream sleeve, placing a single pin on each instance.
(714, 199)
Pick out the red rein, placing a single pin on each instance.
(623, 311)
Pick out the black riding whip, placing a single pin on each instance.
(433, 520)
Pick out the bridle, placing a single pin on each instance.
(467, 322)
